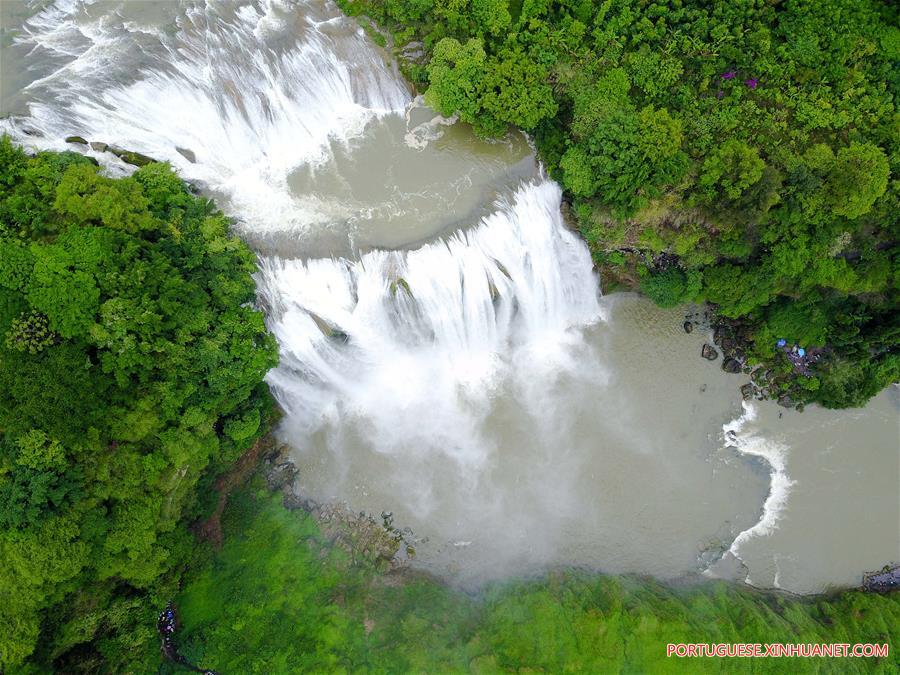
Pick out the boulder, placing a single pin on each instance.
(130, 157)
(747, 391)
(731, 366)
(709, 353)
(187, 154)
(76, 139)
(413, 51)
(280, 475)
(97, 146)
(327, 329)
(688, 326)
(785, 402)
(400, 284)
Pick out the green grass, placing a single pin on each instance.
(278, 599)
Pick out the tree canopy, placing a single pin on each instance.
(131, 365)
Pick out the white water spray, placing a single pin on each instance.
(412, 344)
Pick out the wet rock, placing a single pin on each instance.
(187, 154)
(400, 284)
(884, 581)
(280, 475)
(97, 146)
(131, 157)
(785, 402)
(76, 139)
(709, 353)
(327, 329)
(688, 327)
(747, 391)
(413, 51)
(731, 366)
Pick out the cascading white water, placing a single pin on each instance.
(414, 342)
(253, 91)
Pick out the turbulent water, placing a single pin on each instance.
(445, 352)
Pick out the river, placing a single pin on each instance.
(446, 354)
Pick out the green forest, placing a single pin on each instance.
(131, 366)
(744, 154)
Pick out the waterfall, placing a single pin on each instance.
(412, 343)
(249, 91)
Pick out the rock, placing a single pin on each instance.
(688, 326)
(402, 284)
(281, 475)
(747, 391)
(187, 154)
(709, 353)
(413, 51)
(785, 402)
(130, 157)
(884, 581)
(731, 366)
(328, 330)
(97, 146)
(76, 139)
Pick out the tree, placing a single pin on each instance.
(730, 169)
(857, 177)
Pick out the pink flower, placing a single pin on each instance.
(729, 75)
(752, 82)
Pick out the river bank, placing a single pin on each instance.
(280, 597)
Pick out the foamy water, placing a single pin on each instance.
(425, 335)
(774, 454)
(230, 82)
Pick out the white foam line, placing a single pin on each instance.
(780, 486)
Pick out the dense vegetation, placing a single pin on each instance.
(279, 599)
(131, 365)
(742, 153)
